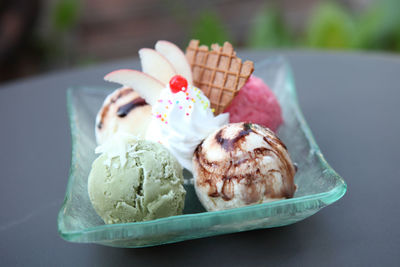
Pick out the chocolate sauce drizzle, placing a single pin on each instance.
(229, 145)
(105, 109)
(125, 109)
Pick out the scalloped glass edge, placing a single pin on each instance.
(198, 225)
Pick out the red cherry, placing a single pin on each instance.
(178, 83)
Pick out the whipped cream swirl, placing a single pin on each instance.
(180, 121)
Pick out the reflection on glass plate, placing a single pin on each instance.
(318, 184)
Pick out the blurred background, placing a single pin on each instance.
(38, 36)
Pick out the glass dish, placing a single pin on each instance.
(318, 184)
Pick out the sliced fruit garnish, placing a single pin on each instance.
(147, 87)
(156, 65)
(176, 57)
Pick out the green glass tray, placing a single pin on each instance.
(318, 184)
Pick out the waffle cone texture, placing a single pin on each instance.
(218, 72)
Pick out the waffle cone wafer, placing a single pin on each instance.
(218, 72)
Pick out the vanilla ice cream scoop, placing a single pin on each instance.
(242, 164)
(123, 110)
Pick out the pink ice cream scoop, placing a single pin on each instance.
(256, 103)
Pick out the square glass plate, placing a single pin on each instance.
(318, 184)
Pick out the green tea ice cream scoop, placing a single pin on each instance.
(135, 180)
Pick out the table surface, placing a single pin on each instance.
(351, 102)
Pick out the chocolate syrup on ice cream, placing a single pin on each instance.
(243, 166)
(125, 109)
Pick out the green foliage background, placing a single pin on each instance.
(330, 26)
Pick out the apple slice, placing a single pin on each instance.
(147, 87)
(176, 57)
(156, 65)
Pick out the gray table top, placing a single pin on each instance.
(351, 102)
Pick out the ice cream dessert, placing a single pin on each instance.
(126, 110)
(242, 164)
(181, 114)
(135, 180)
(233, 164)
(182, 118)
(122, 110)
(226, 81)
(256, 103)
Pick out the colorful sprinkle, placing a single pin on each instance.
(158, 116)
(187, 114)
(166, 107)
(213, 110)
(177, 101)
(187, 98)
(165, 115)
(190, 106)
(162, 119)
(180, 107)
